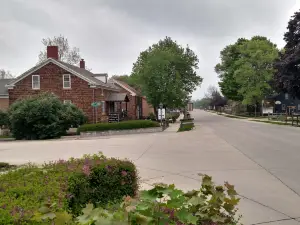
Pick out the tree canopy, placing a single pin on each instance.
(66, 53)
(166, 73)
(246, 69)
(229, 55)
(255, 69)
(287, 78)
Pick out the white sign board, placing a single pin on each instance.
(161, 114)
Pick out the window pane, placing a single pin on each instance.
(35, 82)
(66, 78)
(66, 81)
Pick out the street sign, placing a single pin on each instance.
(161, 114)
(96, 104)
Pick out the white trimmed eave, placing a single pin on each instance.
(35, 68)
(4, 96)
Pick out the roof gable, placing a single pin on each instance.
(80, 72)
(125, 86)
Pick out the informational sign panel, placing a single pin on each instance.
(161, 114)
(96, 104)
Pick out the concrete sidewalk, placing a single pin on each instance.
(173, 127)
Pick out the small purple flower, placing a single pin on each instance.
(86, 170)
(124, 173)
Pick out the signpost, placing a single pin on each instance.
(161, 113)
(96, 105)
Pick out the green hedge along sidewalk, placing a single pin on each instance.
(124, 125)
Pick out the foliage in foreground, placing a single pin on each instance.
(124, 125)
(33, 195)
(164, 204)
(108, 182)
(43, 116)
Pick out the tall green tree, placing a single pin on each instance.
(166, 73)
(226, 69)
(287, 78)
(255, 69)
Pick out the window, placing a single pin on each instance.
(298, 107)
(67, 81)
(35, 81)
(286, 96)
(67, 102)
(283, 106)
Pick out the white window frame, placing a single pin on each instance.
(67, 102)
(69, 75)
(39, 82)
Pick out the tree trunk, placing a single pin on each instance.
(156, 112)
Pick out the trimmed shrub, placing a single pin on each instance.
(124, 125)
(42, 116)
(30, 192)
(186, 127)
(108, 182)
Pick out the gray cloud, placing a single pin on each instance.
(111, 33)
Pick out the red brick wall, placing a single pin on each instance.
(4, 103)
(147, 108)
(51, 80)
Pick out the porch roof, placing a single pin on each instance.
(117, 97)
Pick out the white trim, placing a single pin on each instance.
(4, 96)
(39, 82)
(127, 89)
(35, 68)
(67, 81)
(67, 101)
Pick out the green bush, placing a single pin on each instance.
(124, 125)
(105, 183)
(164, 204)
(186, 127)
(4, 121)
(42, 116)
(30, 193)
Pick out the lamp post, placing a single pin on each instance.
(161, 107)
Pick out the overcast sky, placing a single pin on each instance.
(111, 33)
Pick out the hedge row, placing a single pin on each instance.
(66, 185)
(124, 125)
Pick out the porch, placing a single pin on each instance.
(117, 107)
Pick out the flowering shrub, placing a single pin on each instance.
(105, 183)
(32, 194)
(211, 205)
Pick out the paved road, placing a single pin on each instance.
(261, 160)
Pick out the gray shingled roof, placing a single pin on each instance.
(117, 97)
(87, 74)
(3, 89)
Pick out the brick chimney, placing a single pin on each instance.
(82, 64)
(52, 52)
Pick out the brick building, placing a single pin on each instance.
(78, 86)
(70, 83)
(137, 107)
